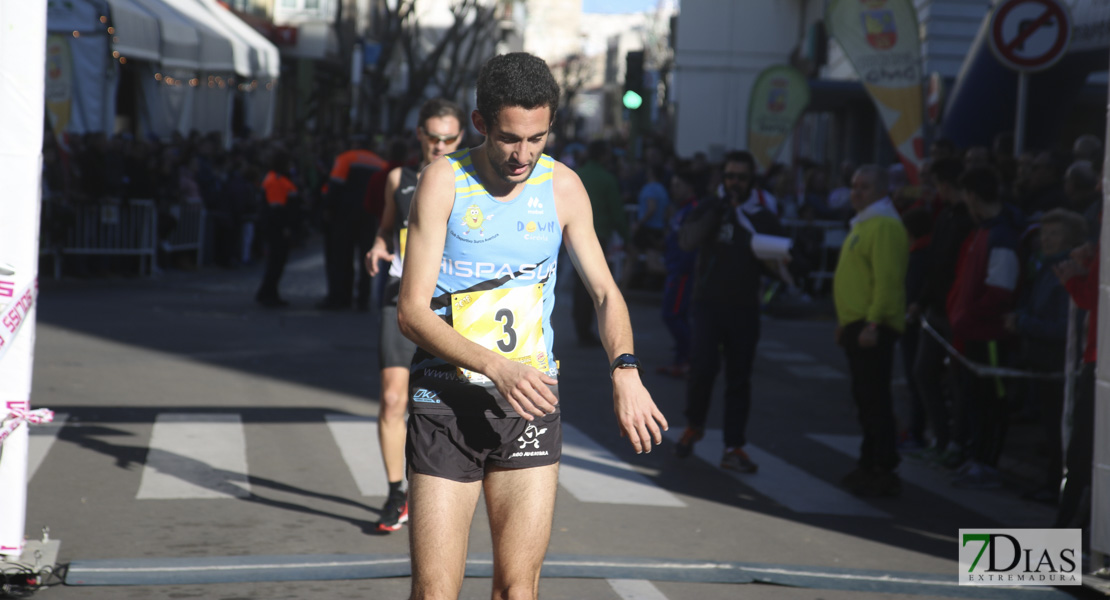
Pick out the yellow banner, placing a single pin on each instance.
(779, 97)
(59, 82)
(880, 38)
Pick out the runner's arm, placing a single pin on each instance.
(637, 414)
(379, 251)
(524, 386)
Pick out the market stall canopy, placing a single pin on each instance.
(220, 49)
(135, 31)
(267, 58)
(180, 42)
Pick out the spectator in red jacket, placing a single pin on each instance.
(983, 292)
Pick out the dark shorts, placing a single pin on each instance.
(463, 448)
(394, 349)
(458, 430)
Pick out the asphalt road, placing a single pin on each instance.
(202, 431)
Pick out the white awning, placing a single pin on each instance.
(267, 58)
(134, 31)
(221, 49)
(180, 42)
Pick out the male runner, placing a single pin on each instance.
(484, 235)
(439, 132)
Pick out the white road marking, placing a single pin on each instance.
(784, 483)
(999, 505)
(41, 439)
(196, 456)
(635, 589)
(357, 438)
(815, 372)
(593, 474)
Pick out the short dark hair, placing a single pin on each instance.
(515, 79)
(948, 170)
(983, 182)
(741, 156)
(1082, 176)
(441, 107)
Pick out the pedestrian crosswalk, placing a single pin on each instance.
(195, 456)
(785, 483)
(198, 456)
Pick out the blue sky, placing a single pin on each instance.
(617, 6)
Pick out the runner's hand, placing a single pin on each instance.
(637, 415)
(377, 253)
(525, 387)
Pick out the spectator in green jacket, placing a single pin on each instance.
(870, 296)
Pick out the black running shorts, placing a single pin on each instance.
(457, 430)
(462, 448)
(394, 349)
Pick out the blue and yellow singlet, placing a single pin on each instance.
(497, 277)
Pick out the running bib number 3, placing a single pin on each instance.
(508, 321)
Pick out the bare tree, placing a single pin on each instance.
(389, 26)
(446, 59)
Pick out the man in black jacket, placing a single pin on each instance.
(951, 228)
(725, 307)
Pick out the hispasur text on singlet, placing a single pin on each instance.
(497, 276)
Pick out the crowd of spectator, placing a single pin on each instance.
(996, 246)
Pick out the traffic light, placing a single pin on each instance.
(633, 80)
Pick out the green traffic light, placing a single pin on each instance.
(632, 100)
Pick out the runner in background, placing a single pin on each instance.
(439, 132)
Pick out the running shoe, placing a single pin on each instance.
(737, 460)
(395, 513)
(685, 445)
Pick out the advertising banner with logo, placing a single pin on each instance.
(59, 78)
(22, 62)
(880, 38)
(779, 97)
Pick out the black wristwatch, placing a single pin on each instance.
(624, 361)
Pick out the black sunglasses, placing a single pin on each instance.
(740, 176)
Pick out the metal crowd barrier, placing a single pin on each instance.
(110, 229)
(834, 233)
(188, 234)
(127, 229)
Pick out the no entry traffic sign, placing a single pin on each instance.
(1030, 35)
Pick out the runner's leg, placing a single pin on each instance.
(439, 529)
(391, 420)
(521, 503)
